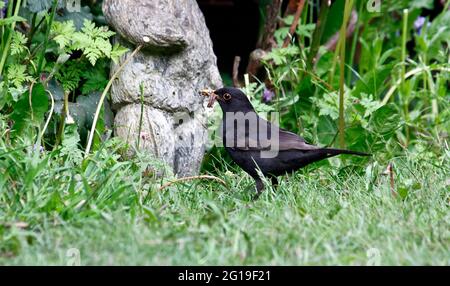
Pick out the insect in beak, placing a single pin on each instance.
(211, 94)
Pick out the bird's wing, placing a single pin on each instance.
(275, 138)
(291, 141)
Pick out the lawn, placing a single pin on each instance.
(317, 217)
(339, 73)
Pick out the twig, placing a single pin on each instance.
(291, 8)
(254, 61)
(390, 171)
(294, 24)
(237, 60)
(19, 224)
(102, 98)
(49, 115)
(192, 178)
(267, 42)
(141, 87)
(266, 39)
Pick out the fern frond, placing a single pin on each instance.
(17, 75)
(63, 33)
(18, 43)
(116, 52)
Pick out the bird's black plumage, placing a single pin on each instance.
(249, 140)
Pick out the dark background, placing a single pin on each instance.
(234, 26)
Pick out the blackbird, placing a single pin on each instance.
(259, 146)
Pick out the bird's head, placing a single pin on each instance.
(230, 99)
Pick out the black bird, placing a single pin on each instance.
(256, 144)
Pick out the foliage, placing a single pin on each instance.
(416, 114)
(75, 62)
(92, 41)
(53, 66)
(114, 214)
(29, 110)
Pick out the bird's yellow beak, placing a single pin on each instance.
(212, 96)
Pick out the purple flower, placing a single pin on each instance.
(267, 95)
(39, 148)
(3, 11)
(418, 24)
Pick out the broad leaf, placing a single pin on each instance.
(25, 114)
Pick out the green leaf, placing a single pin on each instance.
(70, 144)
(306, 30)
(334, 19)
(89, 105)
(403, 191)
(12, 19)
(18, 43)
(373, 82)
(385, 121)
(17, 75)
(96, 80)
(63, 33)
(117, 52)
(419, 4)
(92, 54)
(56, 89)
(25, 115)
(69, 75)
(369, 104)
(326, 130)
(357, 138)
(150, 216)
(77, 18)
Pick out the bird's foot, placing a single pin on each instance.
(259, 188)
(256, 196)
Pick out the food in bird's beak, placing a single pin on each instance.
(211, 94)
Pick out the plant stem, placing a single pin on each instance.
(403, 93)
(141, 115)
(407, 75)
(8, 41)
(50, 114)
(318, 32)
(30, 99)
(9, 12)
(209, 177)
(342, 38)
(102, 98)
(32, 30)
(354, 43)
(64, 113)
(47, 33)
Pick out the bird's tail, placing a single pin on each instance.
(333, 152)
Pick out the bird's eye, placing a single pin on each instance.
(227, 96)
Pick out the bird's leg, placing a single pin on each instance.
(259, 187)
(274, 182)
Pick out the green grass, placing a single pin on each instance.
(55, 198)
(318, 216)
